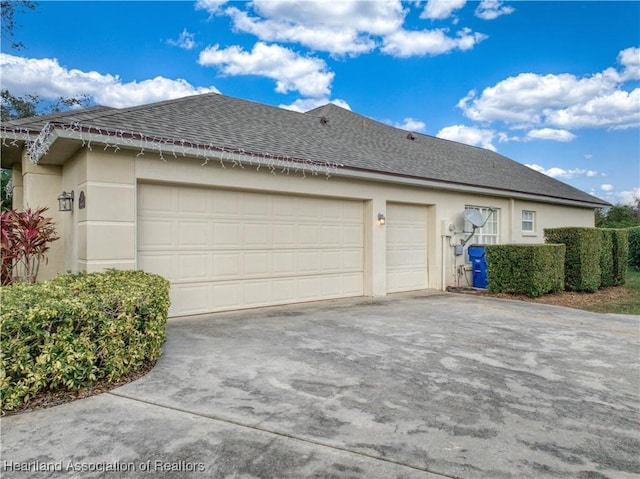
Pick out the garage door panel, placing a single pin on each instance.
(156, 201)
(352, 260)
(307, 208)
(284, 263)
(193, 233)
(226, 234)
(226, 203)
(406, 247)
(331, 235)
(308, 235)
(155, 233)
(193, 267)
(284, 235)
(225, 265)
(256, 293)
(193, 202)
(256, 264)
(161, 264)
(224, 296)
(235, 249)
(256, 235)
(283, 290)
(256, 205)
(309, 261)
(352, 235)
(351, 284)
(192, 297)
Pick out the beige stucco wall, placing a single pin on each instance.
(104, 230)
(103, 234)
(546, 216)
(41, 185)
(18, 188)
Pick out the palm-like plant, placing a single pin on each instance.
(24, 243)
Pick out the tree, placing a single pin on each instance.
(8, 10)
(6, 187)
(13, 107)
(619, 216)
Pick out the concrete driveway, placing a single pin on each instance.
(410, 386)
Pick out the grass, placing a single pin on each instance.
(627, 304)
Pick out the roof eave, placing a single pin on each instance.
(59, 144)
(371, 175)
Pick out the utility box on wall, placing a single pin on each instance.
(478, 265)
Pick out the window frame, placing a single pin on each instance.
(532, 221)
(490, 232)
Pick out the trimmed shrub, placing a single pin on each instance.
(77, 329)
(620, 239)
(582, 257)
(634, 247)
(533, 270)
(606, 258)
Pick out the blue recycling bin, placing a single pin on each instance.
(478, 265)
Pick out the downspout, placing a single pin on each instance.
(443, 263)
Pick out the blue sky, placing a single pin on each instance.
(554, 85)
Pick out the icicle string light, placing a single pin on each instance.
(117, 139)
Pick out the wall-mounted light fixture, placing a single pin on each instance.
(65, 201)
(381, 219)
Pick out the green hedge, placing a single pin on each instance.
(606, 258)
(533, 270)
(582, 258)
(634, 247)
(77, 329)
(620, 253)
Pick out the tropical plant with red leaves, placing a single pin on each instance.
(24, 243)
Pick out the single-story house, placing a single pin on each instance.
(242, 205)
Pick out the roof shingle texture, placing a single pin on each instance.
(326, 134)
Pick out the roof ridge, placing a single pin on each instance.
(346, 137)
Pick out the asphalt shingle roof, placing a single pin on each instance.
(326, 134)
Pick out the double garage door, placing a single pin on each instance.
(229, 249)
(224, 249)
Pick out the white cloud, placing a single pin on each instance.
(469, 135)
(617, 110)
(411, 124)
(629, 197)
(292, 72)
(407, 43)
(376, 17)
(562, 101)
(211, 6)
(441, 9)
(46, 78)
(550, 134)
(305, 104)
(606, 187)
(492, 9)
(339, 41)
(630, 60)
(186, 40)
(340, 28)
(556, 172)
(348, 27)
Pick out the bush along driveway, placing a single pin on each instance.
(413, 386)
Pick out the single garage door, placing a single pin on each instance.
(406, 247)
(225, 250)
